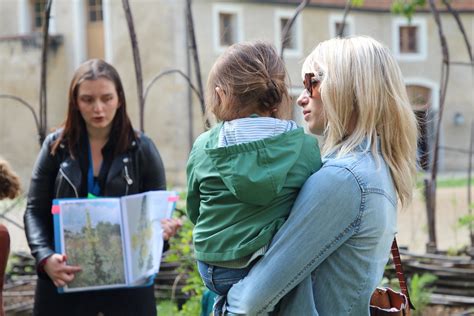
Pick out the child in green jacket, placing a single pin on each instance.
(245, 173)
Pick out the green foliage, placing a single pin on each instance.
(466, 220)
(418, 289)
(407, 7)
(420, 292)
(181, 250)
(357, 3)
(167, 308)
(443, 183)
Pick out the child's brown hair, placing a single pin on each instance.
(252, 78)
(9, 181)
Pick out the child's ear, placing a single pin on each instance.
(221, 94)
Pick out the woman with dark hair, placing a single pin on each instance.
(96, 152)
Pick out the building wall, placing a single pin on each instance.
(161, 35)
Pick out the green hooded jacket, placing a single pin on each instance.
(240, 195)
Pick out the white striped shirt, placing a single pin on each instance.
(249, 129)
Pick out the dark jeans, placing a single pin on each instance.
(219, 280)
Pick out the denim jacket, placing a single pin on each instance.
(330, 254)
(344, 281)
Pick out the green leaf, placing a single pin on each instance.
(357, 3)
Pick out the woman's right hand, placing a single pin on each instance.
(60, 273)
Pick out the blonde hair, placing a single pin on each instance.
(361, 79)
(253, 78)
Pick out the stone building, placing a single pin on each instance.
(82, 29)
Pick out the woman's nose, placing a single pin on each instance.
(303, 99)
(98, 106)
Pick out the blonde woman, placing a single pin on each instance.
(330, 254)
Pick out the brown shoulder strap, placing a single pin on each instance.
(398, 268)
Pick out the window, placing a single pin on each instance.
(95, 10)
(292, 41)
(342, 26)
(94, 29)
(409, 39)
(227, 29)
(227, 25)
(37, 14)
(289, 40)
(336, 23)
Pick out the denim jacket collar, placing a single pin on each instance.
(364, 146)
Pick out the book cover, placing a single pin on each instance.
(116, 241)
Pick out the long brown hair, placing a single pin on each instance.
(74, 125)
(254, 80)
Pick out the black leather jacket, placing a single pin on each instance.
(138, 170)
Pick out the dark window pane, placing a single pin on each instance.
(339, 26)
(288, 41)
(92, 16)
(226, 29)
(38, 22)
(408, 39)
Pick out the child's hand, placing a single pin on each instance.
(60, 273)
(170, 227)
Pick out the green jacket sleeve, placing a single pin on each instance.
(193, 197)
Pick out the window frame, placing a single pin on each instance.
(297, 51)
(338, 18)
(421, 39)
(233, 9)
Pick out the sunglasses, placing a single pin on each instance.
(310, 81)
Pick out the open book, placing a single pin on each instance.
(116, 241)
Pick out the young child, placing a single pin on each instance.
(245, 173)
(9, 181)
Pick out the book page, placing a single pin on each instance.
(91, 236)
(145, 241)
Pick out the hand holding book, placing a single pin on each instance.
(60, 273)
(115, 242)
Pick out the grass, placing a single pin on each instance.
(445, 182)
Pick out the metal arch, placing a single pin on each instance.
(23, 102)
(168, 72)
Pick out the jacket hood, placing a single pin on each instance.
(255, 172)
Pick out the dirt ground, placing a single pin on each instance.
(451, 205)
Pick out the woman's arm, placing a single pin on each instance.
(152, 170)
(324, 216)
(38, 219)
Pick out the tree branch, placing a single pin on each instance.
(194, 52)
(431, 183)
(289, 24)
(43, 121)
(461, 28)
(347, 9)
(136, 61)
